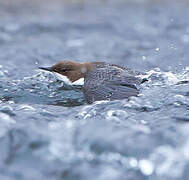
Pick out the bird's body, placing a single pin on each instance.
(102, 81)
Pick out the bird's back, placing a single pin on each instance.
(110, 82)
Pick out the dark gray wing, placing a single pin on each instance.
(110, 83)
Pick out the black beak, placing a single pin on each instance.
(46, 68)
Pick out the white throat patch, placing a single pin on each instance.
(79, 82)
(63, 78)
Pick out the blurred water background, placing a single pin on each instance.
(48, 132)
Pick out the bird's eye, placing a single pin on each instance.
(63, 70)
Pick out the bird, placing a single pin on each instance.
(99, 80)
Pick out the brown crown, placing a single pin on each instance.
(73, 70)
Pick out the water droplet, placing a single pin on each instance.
(133, 162)
(143, 58)
(146, 167)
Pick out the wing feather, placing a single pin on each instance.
(110, 84)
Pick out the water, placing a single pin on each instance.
(47, 131)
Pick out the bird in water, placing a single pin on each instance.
(100, 80)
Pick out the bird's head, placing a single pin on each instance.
(73, 71)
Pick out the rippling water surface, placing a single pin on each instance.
(47, 131)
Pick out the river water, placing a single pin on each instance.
(48, 132)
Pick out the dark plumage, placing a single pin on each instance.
(110, 82)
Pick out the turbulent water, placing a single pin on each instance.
(48, 132)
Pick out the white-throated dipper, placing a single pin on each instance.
(102, 81)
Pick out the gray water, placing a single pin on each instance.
(48, 132)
